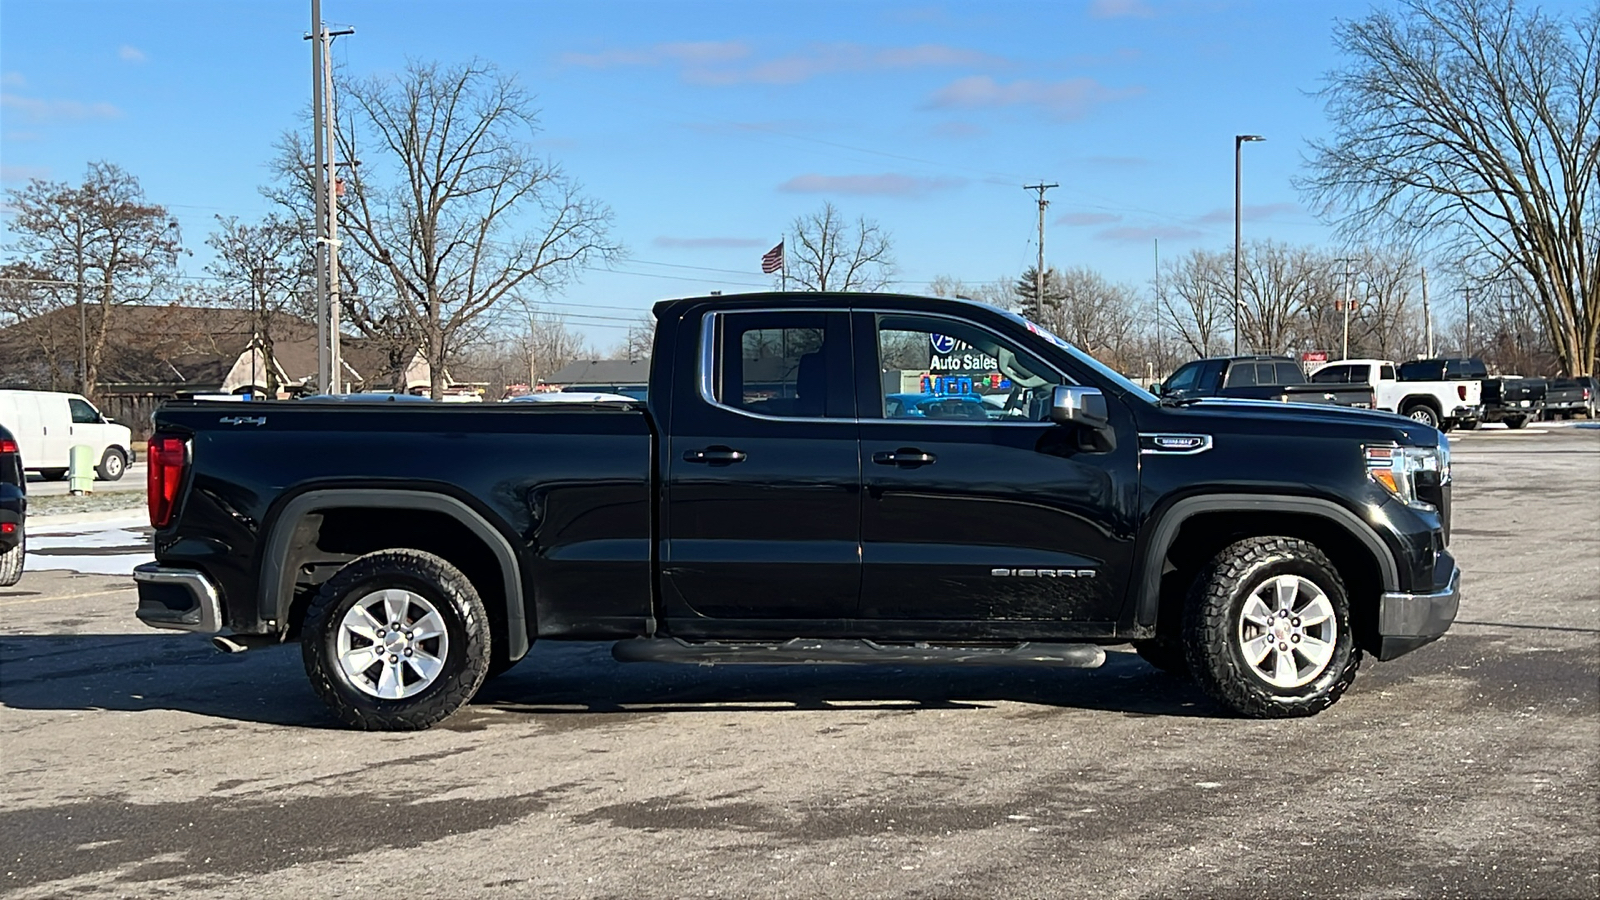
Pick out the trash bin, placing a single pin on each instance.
(81, 472)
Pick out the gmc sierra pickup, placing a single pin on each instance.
(765, 505)
(1259, 378)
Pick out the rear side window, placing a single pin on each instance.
(1289, 373)
(1242, 375)
(1386, 373)
(1422, 370)
(785, 364)
(82, 412)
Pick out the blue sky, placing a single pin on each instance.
(708, 126)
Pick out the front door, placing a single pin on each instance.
(975, 506)
(762, 514)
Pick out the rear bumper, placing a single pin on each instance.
(1408, 621)
(181, 599)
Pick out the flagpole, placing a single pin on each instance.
(783, 242)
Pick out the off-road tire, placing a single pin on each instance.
(11, 562)
(113, 465)
(1166, 654)
(1421, 412)
(1517, 422)
(458, 603)
(1211, 620)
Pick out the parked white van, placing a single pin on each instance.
(47, 425)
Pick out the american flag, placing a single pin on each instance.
(773, 260)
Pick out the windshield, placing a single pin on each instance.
(1102, 369)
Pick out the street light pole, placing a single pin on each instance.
(1238, 228)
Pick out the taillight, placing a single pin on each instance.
(1461, 391)
(10, 446)
(165, 464)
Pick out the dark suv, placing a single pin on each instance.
(13, 510)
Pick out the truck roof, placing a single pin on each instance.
(758, 299)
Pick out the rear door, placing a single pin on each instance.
(1006, 518)
(762, 473)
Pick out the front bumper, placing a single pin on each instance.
(182, 599)
(1407, 621)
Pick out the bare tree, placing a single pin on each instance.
(833, 255)
(264, 268)
(550, 345)
(1194, 298)
(1081, 306)
(1279, 284)
(449, 206)
(100, 244)
(639, 341)
(1476, 122)
(995, 293)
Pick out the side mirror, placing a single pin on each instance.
(1155, 388)
(1077, 405)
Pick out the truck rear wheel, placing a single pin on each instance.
(1516, 421)
(396, 641)
(1422, 412)
(1267, 629)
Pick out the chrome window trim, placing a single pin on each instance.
(708, 363)
(985, 424)
(1205, 444)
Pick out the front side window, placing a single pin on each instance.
(1184, 379)
(936, 369)
(82, 412)
(783, 364)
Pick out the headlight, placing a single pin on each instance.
(1398, 468)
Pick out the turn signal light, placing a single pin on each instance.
(168, 458)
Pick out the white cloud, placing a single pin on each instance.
(130, 53)
(889, 184)
(730, 62)
(23, 173)
(13, 79)
(1068, 99)
(37, 110)
(1120, 9)
(1252, 212)
(707, 243)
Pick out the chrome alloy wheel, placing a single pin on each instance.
(1287, 631)
(392, 644)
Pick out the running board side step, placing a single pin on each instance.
(812, 651)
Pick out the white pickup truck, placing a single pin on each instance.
(1444, 404)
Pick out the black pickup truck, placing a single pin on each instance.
(1260, 378)
(764, 505)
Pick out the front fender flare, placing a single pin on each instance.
(1167, 526)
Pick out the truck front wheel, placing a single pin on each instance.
(1267, 629)
(396, 641)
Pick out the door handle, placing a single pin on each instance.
(905, 456)
(723, 455)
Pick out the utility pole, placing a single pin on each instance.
(324, 179)
(1427, 315)
(1038, 273)
(1239, 140)
(1468, 291)
(1344, 352)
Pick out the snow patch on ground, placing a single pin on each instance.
(103, 548)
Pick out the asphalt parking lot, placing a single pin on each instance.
(138, 763)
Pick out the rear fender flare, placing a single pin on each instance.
(276, 588)
(1166, 531)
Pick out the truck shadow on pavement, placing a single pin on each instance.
(136, 673)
